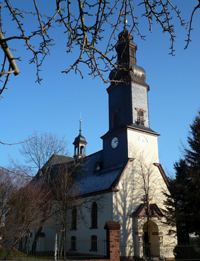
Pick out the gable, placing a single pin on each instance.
(154, 211)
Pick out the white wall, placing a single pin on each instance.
(142, 144)
(84, 230)
(130, 196)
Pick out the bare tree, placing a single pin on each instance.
(152, 184)
(21, 208)
(84, 23)
(66, 193)
(37, 151)
(69, 203)
(6, 192)
(146, 191)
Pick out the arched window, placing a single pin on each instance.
(74, 218)
(73, 243)
(82, 151)
(94, 215)
(93, 243)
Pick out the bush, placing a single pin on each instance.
(187, 252)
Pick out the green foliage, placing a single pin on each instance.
(184, 200)
(192, 156)
(177, 211)
(13, 255)
(187, 252)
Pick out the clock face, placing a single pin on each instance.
(143, 140)
(114, 142)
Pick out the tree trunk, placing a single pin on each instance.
(37, 235)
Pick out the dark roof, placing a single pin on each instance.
(132, 126)
(79, 139)
(57, 159)
(88, 179)
(91, 180)
(143, 128)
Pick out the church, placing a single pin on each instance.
(124, 181)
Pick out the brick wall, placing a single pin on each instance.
(112, 234)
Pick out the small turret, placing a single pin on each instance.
(80, 145)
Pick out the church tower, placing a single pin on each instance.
(80, 145)
(129, 129)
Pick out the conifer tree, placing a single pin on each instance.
(177, 207)
(182, 204)
(192, 156)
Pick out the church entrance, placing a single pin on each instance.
(151, 247)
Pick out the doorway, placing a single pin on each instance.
(151, 247)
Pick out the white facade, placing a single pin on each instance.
(121, 206)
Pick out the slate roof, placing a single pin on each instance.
(89, 180)
(57, 159)
(134, 126)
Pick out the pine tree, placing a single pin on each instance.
(177, 207)
(192, 156)
(182, 204)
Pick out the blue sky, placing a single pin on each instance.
(56, 104)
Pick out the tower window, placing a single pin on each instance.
(140, 117)
(115, 118)
(132, 52)
(82, 151)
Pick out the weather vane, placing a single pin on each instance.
(125, 20)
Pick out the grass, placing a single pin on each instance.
(17, 255)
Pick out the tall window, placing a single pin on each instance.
(93, 243)
(74, 218)
(115, 118)
(82, 151)
(73, 243)
(94, 215)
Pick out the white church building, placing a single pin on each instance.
(124, 181)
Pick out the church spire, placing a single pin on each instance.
(127, 70)
(80, 144)
(80, 126)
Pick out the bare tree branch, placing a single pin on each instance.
(17, 143)
(85, 24)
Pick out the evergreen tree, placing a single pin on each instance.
(192, 156)
(182, 204)
(177, 207)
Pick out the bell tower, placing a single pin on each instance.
(128, 101)
(128, 104)
(80, 145)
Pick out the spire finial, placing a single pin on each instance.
(124, 15)
(80, 125)
(125, 20)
